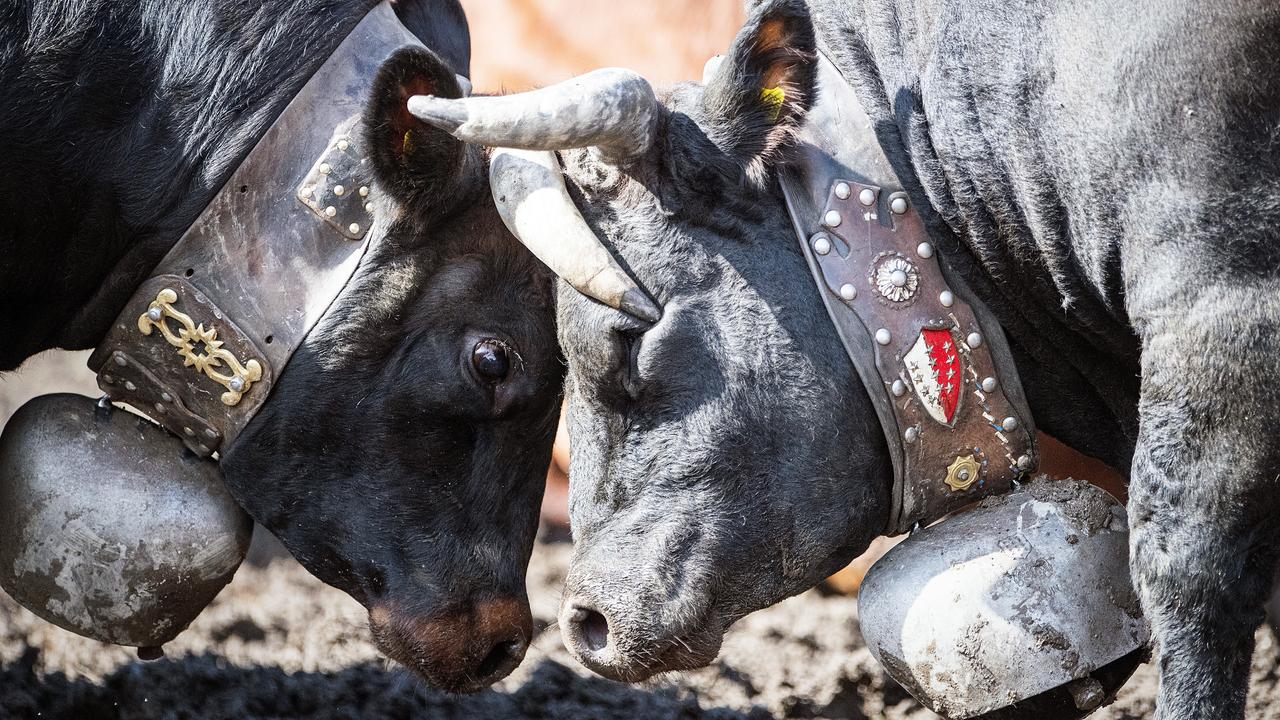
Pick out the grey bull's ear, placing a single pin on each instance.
(758, 94)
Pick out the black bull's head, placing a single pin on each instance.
(725, 454)
(402, 454)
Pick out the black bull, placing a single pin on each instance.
(401, 454)
(1103, 175)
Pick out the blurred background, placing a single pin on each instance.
(520, 44)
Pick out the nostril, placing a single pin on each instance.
(593, 626)
(501, 658)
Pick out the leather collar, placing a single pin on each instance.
(933, 359)
(200, 343)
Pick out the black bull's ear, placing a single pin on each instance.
(759, 94)
(421, 166)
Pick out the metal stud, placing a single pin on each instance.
(898, 278)
(205, 448)
(120, 360)
(108, 379)
(166, 397)
(339, 190)
(128, 385)
(974, 340)
(848, 291)
(912, 434)
(867, 196)
(159, 407)
(210, 433)
(924, 250)
(988, 384)
(883, 336)
(188, 431)
(898, 205)
(898, 388)
(325, 168)
(364, 191)
(368, 207)
(1010, 423)
(842, 190)
(946, 298)
(343, 144)
(821, 244)
(154, 314)
(236, 384)
(831, 219)
(354, 228)
(331, 211)
(1025, 464)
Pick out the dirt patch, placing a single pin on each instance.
(1087, 505)
(279, 644)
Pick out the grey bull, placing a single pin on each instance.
(1103, 175)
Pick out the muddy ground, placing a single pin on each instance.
(279, 644)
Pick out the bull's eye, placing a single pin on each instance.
(490, 360)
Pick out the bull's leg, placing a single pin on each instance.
(1203, 498)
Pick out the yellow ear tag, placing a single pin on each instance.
(406, 146)
(773, 99)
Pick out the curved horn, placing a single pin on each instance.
(612, 109)
(528, 188)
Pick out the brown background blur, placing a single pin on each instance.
(519, 44)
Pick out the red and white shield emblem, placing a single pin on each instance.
(936, 369)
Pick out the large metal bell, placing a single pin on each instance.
(108, 526)
(1021, 607)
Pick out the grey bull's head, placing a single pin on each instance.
(725, 455)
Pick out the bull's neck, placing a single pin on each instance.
(998, 219)
(120, 158)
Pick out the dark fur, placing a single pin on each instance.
(1104, 175)
(380, 459)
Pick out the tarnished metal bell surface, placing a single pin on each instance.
(1019, 607)
(108, 527)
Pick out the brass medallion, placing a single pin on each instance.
(963, 473)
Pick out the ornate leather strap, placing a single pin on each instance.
(199, 345)
(934, 361)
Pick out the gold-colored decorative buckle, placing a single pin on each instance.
(187, 339)
(963, 473)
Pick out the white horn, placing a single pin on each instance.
(611, 109)
(528, 188)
